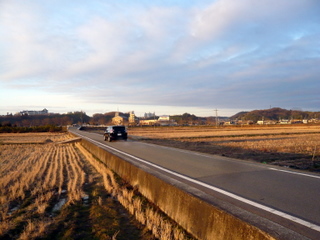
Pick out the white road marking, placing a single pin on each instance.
(244, 200)
(297, 173)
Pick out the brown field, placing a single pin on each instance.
(32, 138)
(51, 188)
(57, 191)
(295, 146)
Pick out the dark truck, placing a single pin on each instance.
(115, 132)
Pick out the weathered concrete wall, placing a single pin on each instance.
(203, 218)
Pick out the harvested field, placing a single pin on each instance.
(58, 191)
(206, 132)
(291, 146)
(32, 138)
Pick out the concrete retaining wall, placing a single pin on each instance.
(200, 215)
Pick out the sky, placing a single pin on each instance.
(167, 57)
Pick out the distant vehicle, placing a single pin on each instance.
(115, 132)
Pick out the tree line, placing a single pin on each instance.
(52, 122)
(40, 123)
(276, 114)
(14, 129)
(25, 120)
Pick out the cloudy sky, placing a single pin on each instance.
(168, 57)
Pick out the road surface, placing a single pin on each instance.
(290, 198)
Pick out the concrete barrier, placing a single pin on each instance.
(203, 216)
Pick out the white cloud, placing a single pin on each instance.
(187, 55)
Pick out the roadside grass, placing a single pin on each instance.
(137, 205)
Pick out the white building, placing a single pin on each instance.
(32, 112)
(164, 118)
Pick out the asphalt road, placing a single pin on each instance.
(290, 198)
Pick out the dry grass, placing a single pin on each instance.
(146, 213)
(31, 180)
(32, 138)
(300, 144)
(52, 190)
(293, 146)
(206, 132)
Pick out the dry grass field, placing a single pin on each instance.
(53, 188)
(295, 146)
(57, 191)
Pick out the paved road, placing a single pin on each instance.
(291, 198)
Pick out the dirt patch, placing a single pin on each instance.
(48, 141)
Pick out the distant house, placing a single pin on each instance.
(165, 121)
(266, 122)
(164, 118)
(229, 123)
(285, 121)
(149, 122)
(117, 119)
(32, 112)
(313, 120)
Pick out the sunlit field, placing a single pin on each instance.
(292, 146)
(52, 191)
(205, 132)
(16, 138)
(53, 188)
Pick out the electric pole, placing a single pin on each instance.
(217, 120)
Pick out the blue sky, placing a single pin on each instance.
(168, 57)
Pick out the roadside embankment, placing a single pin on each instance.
(204, 217)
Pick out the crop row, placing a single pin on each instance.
(33, 179)
(49, 189)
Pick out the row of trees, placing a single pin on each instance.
(184, 119)
(43, 120)
(46, 128)
(188, 118)
(276, 114)
(105, 119)
(80, 118)
(57, 119)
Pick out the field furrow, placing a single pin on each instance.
(47, 182)
(60, 179)
(50, 190)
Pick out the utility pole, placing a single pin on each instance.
(217, 120)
